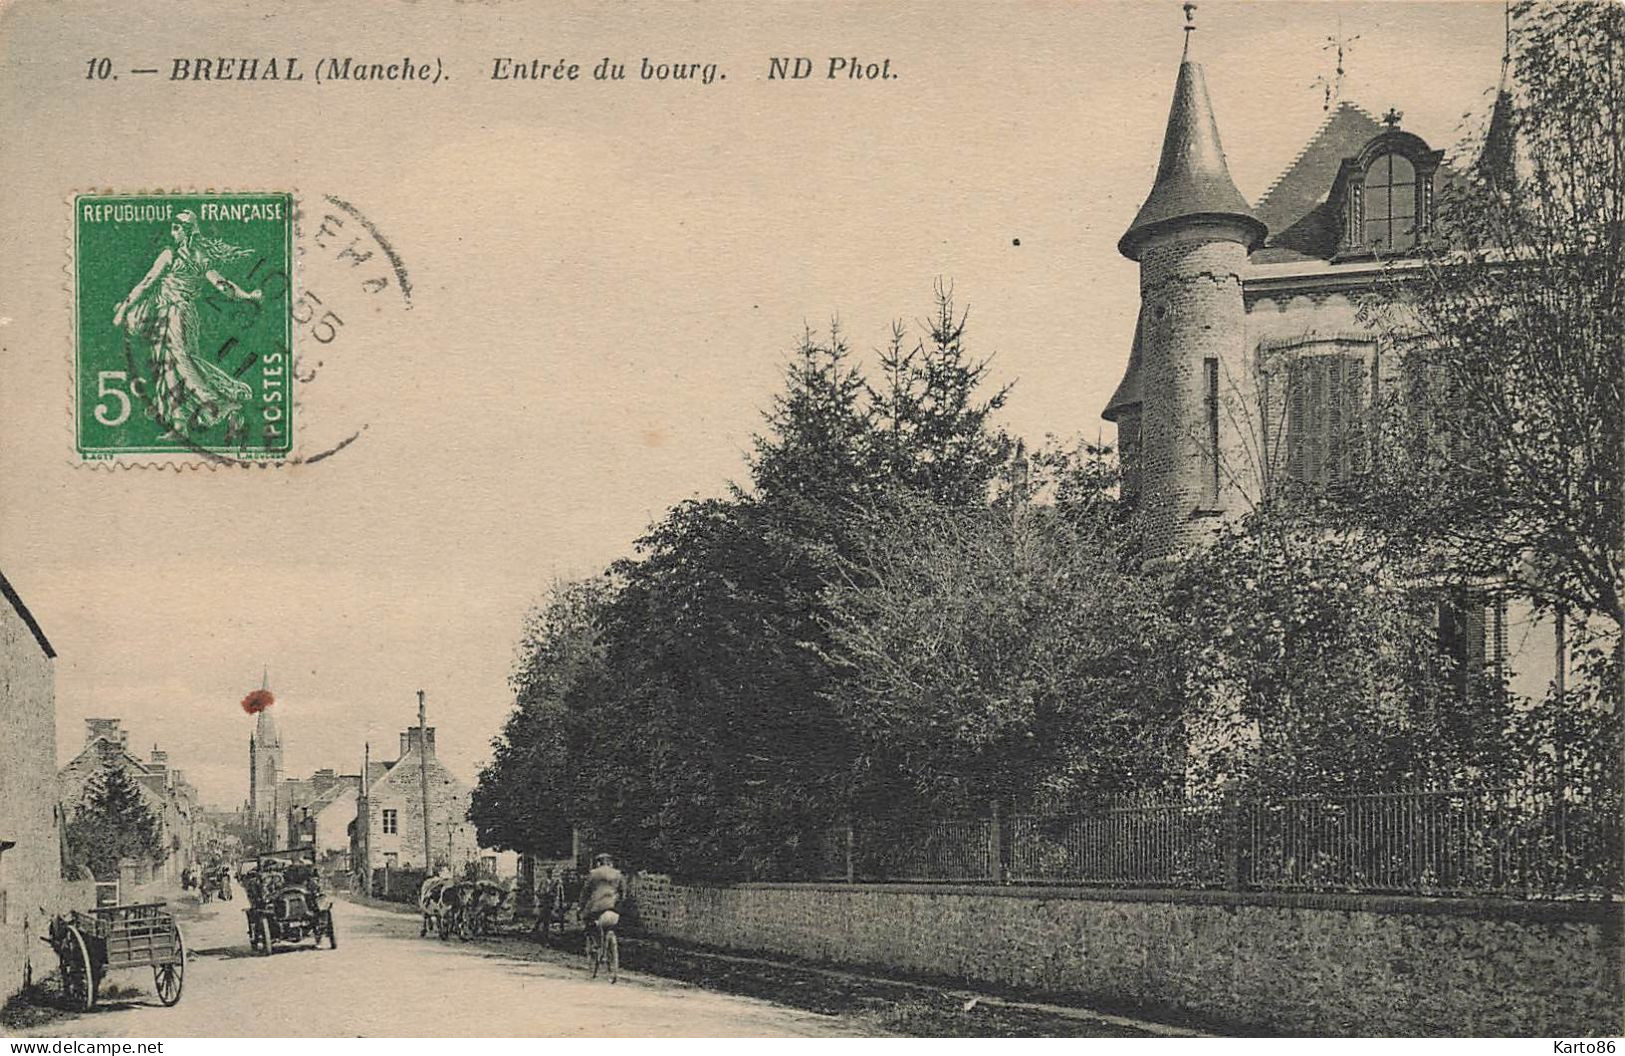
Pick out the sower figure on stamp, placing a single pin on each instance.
(186, 387)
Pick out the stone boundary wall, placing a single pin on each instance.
(1330, 965)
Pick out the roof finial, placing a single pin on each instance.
(1333, 87)
(1190, 25)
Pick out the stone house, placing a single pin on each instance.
(1250, 362)
(324, 821)
(31, 887)
(389, 830)
(166, 792)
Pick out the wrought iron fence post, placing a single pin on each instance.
(996, 845)
(1231, 815)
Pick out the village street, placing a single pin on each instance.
(383, 980)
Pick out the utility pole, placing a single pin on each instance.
(364, 816)
(423, 776)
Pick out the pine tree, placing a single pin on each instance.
(933, 428)
(113, 823)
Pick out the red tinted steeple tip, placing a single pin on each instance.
(1193, 180)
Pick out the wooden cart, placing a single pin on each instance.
(113, 938)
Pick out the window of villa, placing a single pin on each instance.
(1211, 379)
(1390, 203)
(391, 823)
(1317, 406)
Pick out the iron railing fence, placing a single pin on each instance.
(961, 850)
(1163, 844)
(1508, 842)
(1497, 841)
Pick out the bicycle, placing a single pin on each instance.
(604, 949)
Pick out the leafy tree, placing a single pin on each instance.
(1505, 449)
(708, 742)
(523, 797)
(999, 653)
(113, 822)
(1311, 663)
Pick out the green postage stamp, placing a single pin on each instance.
(182, 325)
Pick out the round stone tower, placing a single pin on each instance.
(1191, 239)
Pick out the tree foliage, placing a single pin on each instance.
(113, 822)
(1504, 447)
(1002, 654)
(523, 798)
(1310, 662)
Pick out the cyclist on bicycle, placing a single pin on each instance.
(601, 894)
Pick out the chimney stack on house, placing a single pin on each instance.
(106, 729)
(410, 739)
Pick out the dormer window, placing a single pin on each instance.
(1387, 193)
(1390, 203)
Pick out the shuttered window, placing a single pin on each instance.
(1325, 419)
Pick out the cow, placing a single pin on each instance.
(487, 901)
(432, 905)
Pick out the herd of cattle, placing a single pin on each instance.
(464, 908)
(467, 908)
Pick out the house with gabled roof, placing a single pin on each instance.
(389, 829)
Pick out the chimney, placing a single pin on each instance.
(105, 729)
(158, 760)
(410, 738)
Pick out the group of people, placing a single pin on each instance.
(213, 881)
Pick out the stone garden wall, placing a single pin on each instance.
(1293, 964)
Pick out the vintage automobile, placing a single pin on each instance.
(287, 902)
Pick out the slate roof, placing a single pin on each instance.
(1193, 179)
(1128, 390)
(1304, 224)
(344, 783)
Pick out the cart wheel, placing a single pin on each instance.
(332, 936)
(265, 937)
(78, 979)
(169, 978)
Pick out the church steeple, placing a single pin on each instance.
(1193, 181)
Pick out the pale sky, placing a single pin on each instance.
(606, 281)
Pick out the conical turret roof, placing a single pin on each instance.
(1193, 180)
(1498, 161)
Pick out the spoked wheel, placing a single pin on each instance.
(265, 937)
(170, 978)
(78, 978)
